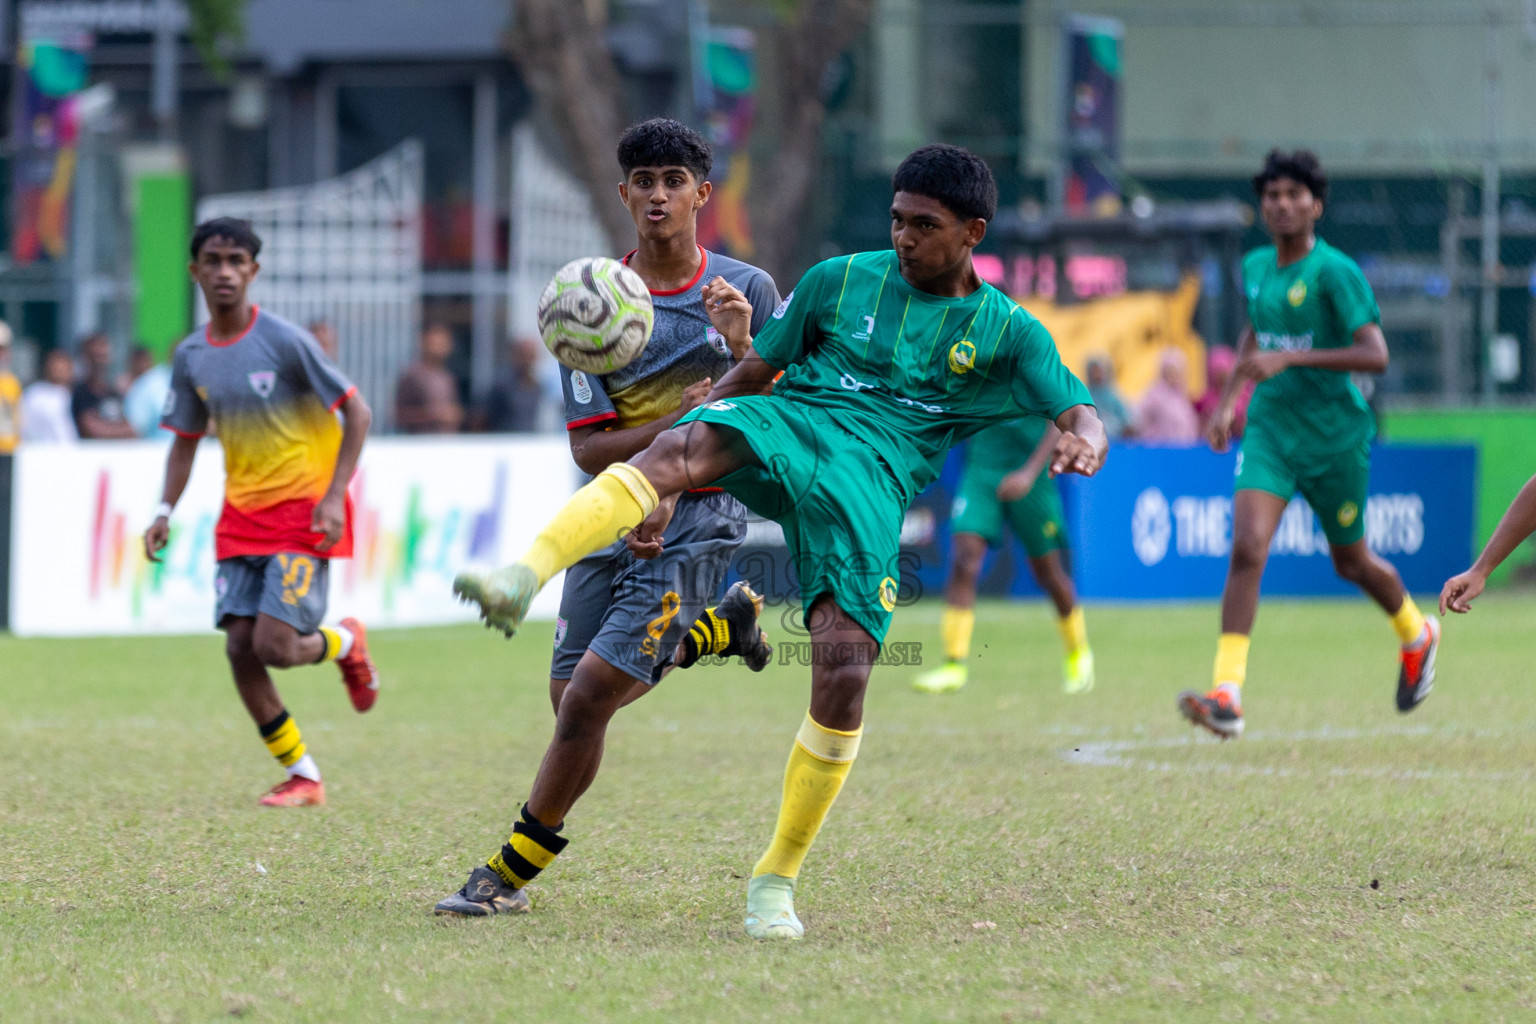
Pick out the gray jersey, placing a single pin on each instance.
(273, 395)
(683, 350)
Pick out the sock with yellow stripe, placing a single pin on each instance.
(615, 502)
(1409, 623)
(1074, 630)
(819, 763)
(282, 737)
(709, 635)
(1231, 660)
(955, 625)
(531, 848)
(338, 642)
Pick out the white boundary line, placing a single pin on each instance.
(1122, 754)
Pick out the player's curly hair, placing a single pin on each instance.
(231, 229)
(956, 177)
(1302, 167)
(663, 142)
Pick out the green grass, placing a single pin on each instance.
(1003, 854)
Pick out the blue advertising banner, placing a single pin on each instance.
(1157, 524)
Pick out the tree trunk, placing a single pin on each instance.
(560, 47)
(817, 33)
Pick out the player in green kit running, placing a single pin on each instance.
(888, 359)
(996, 491)
(1313, 322)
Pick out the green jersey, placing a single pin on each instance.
(1007, 446)
(1317, 302)
(909, 373)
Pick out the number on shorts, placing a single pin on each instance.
(298, 574)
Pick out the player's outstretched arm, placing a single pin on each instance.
(595, 449)
(330, 516)
(1519, 522)
(1082, 446)
(754, 375)
(178, 470)
(1018, 483)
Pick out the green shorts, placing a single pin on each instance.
(838, 503)
(1036, 519)
(1334, 483)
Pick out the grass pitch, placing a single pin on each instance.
(1003, 854)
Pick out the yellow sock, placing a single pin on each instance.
(282, 738)
(818, 765)
(1231, 659)
(1074, 630)
(332, 643)
(600, 513)
(1409, 622)
(955, 626)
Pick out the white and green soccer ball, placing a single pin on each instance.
(595, 315)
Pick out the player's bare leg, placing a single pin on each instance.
(1255, 517)
(1419, 636)
(966, 554)
(1050, 571)
(819, 763)
(245, 644)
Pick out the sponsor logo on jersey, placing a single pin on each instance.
(1285, 342)
(852, 383)
(1297, 293)
(581, 388)
(721, 406)
(262, 382)
(717, 341)
(1348, 512)
(866, 329)
(888, 594)
(962, 357)
(918, 405)
(170, 404)
(783, 307)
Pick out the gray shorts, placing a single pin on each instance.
(290, 588)
(632, 612)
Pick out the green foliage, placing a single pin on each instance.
(1006, 853)
(217, 25)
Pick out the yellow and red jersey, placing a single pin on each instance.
(273, 395)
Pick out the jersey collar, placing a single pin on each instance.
(208, 331)
(703, 264)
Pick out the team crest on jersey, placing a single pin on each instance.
(888, 594)
(1297, 293)
(717, 341)
(581, 388)
(962, 357)
(561, 626)
(783, 307)
(1348, 513)
(262, 382)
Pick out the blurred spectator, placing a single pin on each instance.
(325, 336)
(97, 404)
(1166, 414)
(45, 405)
(1220, 362)
(145, 400)
(10, 396)
(427, 396)
(1101, 388)
(517, 397)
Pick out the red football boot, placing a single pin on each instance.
(357, 669)
(296, 792)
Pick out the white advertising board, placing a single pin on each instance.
(424, 509)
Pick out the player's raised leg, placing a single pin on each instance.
(1255, 517)
(819, 762)
(967, 553)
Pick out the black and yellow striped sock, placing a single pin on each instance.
(531, 849)
(283, 739)
(710, 635)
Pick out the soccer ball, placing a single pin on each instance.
(595, 315)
